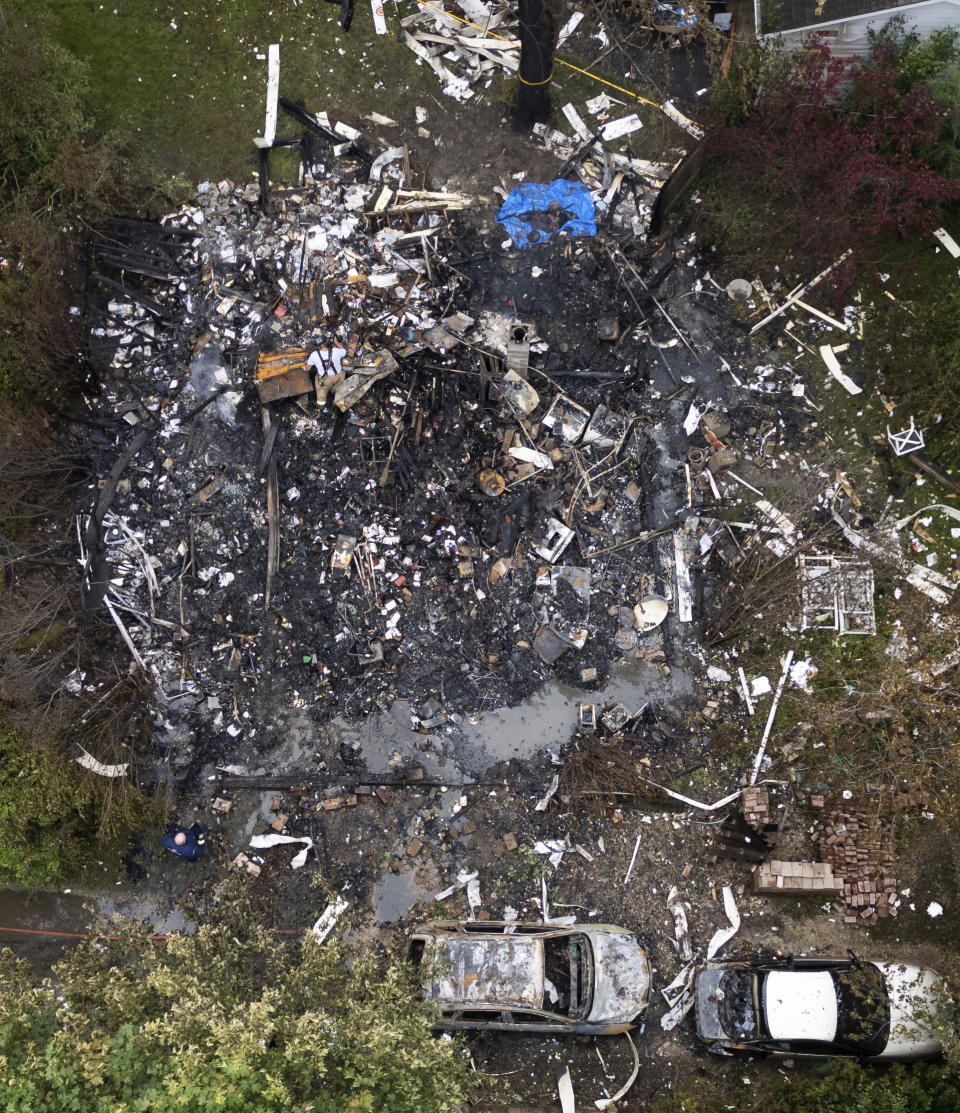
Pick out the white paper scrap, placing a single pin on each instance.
(624, 126)
(685, 122)
(328, 919)
(273, 88)
(264, 842)
(88, 761)
(833, 366)
(948, 241)
(692, 421)
(576, 122)
(569, 27)
(724, 935)
(531, 456)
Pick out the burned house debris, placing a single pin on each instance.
(393, 497)
(349, 476)
(370, 455)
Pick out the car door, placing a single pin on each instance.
(534, 1021)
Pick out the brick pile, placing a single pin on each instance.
(796, 878)
(756, 806)
(859, 846)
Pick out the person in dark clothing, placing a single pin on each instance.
(186, 842)
(346, 12)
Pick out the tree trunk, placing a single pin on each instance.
(536, 64)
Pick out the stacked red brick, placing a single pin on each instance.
(756, 806)
(859, 846)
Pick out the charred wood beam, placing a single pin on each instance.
(934, 471)
(148, 303)
(587, 375)
(159, 257)
(96, 571)
(149, 229)
(263, 175)
(126, 263)
(273, 516)
(307, 120)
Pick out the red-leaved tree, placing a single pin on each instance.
(830, 157)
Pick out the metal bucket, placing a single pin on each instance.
(650, 612)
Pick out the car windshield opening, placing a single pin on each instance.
(863, 1008)
(738, 1000)
(415, 951)
(567, 968)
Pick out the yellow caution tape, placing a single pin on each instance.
(569, 65)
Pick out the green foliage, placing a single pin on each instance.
(42, 89)
(830, 153)
(945, 89)
(55, 815)
(917, 346)
(734, 91)
(846, 1087)
(916, 59)
(850, 1088)
(228, 1018)
(23, 382)
(59, 175)
(43, 804)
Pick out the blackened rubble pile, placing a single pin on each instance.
(440, 530)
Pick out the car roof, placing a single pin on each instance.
(800, 1005)
(504, 970)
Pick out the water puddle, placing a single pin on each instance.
(538, 725)
(395, 894)
(549, 718)
(71, 912)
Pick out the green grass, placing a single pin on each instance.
(191, 79)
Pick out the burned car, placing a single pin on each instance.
(591, 979)
(819, 1007)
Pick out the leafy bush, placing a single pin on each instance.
(834, 154)
(45, 810)
(227, 1018)
(55, 815)
(60, 175)
(846, 1087)
(917, 348)
(916, 59)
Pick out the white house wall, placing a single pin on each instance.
(850, 37)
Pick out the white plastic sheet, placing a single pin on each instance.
(264, 842)
(724, 935)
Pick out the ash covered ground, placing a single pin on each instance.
(451, 533)
(384, 623)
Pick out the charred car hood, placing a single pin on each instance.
(708, 1005)
(479, 970)
(621, 980)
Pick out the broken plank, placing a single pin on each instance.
(273, 516)
(794, 297)
(833, 366)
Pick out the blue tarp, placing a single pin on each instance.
(561, 196)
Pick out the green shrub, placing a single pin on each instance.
(45, 807)
(845, 1087)
(226, 1018)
